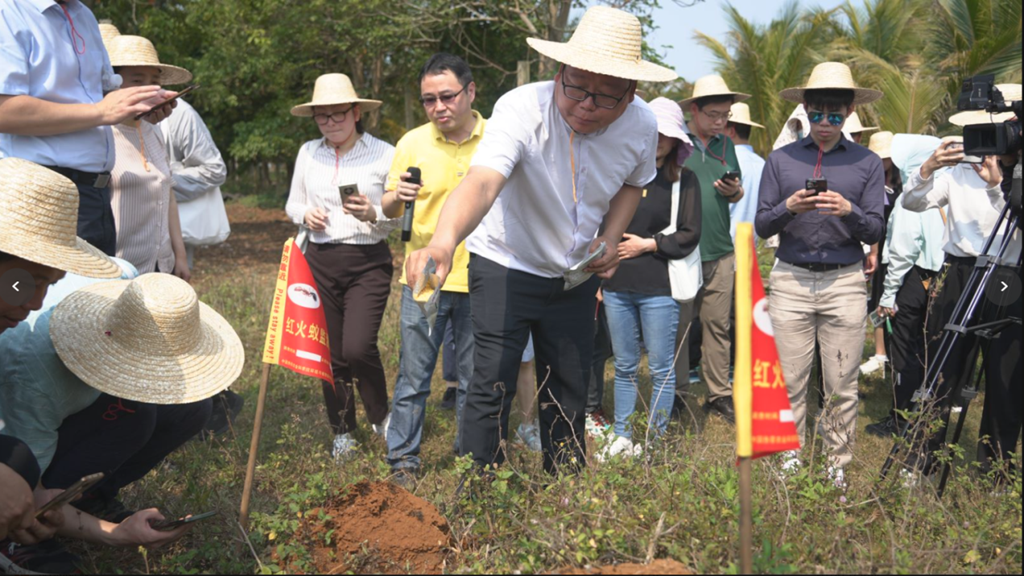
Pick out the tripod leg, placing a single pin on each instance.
(969, 394)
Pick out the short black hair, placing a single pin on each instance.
(4, 256)
(828, 100)
(742, 130)
(444, 62)
(718, 99)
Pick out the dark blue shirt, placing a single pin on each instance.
(851, 170)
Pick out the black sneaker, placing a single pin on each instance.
(448, 400)
(722, 407)
(884, 428)
(226, 407)
(49, 557)
(405, 478)
(112, 510)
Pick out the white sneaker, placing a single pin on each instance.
(838, 477)
(529, 434)
(910, 478)
(382, 428)
(345, 446)
(790, 464)
(874, 364)
(621, 445)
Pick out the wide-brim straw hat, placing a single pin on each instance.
(1010, 92)
(108, 32)
(607, 41)
(854, 125)
(138, 51)
(741, 115)
(881, 144)
(713, 85)
(148, 340)
(670, 123)
(832, 76)
(331, 90)
(39, 221)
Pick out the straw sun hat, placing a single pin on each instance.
(741, 115)
(853, 125)
(670, 123)
(138, 51)
(712, 85)
(832, 76)
(607, 41)
(969, 117)
(147, 340)
(108, 32)
(333, 89)
(881, 144)
(39, 221)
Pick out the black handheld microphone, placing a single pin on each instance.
(414, 178)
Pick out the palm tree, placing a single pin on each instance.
(763, 60)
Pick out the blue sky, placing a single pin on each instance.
(676, 27)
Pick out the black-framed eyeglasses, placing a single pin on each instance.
(717, 116)
(338, 117)
(834, 118)
(446, 99)
(578, 94)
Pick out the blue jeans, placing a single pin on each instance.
(658, 316)
(416, 365)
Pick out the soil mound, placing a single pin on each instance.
(377, 527)
(655, 567)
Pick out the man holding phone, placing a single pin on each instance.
(818, 281)
(58, 100)
(717, 167)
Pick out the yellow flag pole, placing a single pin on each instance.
(250, 470)
(742, 388)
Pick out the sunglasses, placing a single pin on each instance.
(834, 118)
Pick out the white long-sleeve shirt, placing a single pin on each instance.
(972, 210)
(197, 166)
(320, 170)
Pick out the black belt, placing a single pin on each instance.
(100, 180)
(925, 273)
(818, 266)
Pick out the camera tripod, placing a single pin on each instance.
(967, 305)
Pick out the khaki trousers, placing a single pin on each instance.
(830, 307)
(714, 306)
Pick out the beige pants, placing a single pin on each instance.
(832, 308)
(714, 307)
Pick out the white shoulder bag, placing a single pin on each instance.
(684, 274)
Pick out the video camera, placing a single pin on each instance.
(980, 93)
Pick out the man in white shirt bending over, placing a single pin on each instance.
(563, 163)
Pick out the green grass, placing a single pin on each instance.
(681, 503)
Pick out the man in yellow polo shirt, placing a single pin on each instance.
(442, 150)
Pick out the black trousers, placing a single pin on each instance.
(1001, 417)
(602, 352)
(906, 345)
(96, 218)
(121, 438)
(354, 282)
(508, 306)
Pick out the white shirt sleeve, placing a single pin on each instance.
(298, 203)
(647, 169)
(201, 168)
(922, 194)
(506, 137)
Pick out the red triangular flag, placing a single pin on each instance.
(297, 333)
(772, 426)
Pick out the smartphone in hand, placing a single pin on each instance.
(74, 491)
(347, 191)
(168, 525)
(731, 176)
(186, 90)
(816, 185)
